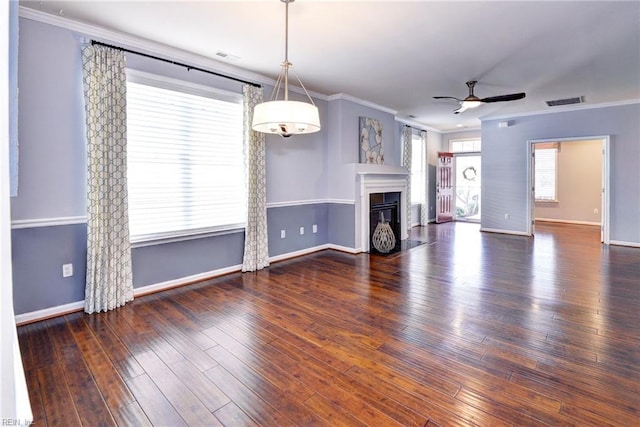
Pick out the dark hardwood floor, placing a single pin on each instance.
(470, 329)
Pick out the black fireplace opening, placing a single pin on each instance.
(384, 223)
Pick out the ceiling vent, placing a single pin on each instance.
(227, 56)
(566, 101)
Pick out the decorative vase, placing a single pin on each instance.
(383, 238)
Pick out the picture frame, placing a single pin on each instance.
(371, 141)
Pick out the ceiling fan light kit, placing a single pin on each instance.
(284, 117)
(472, 101)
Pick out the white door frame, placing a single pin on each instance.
(605, 202)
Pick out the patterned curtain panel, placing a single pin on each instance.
(424, 207)
(109, 278)
(406, 162)
(256, 244)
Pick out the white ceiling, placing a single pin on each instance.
(400, 54)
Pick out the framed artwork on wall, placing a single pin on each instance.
(371, 142)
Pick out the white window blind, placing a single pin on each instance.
(185, 161)
(417, 170)
(546, 174)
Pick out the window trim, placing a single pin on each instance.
(451, 141)
(200, 233)
(168, 83)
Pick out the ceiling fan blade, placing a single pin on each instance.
(447, 97)
(501, 98)
(461, 109)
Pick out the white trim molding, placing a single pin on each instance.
(169, 284)
(313, 249)
(568, 221)
(622, 243)
(71, 220)
(47, 222)
(416, 124)
(138, 43)
(499, 231)
(299, 203)
(563, 109)
(59, 310)
(346, 97)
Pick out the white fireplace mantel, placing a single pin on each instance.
(373, 179)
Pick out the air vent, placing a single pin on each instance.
(227, 56)
(566, 101)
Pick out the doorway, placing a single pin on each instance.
(590, 208)
(468, 173)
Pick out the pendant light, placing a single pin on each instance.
(284, 117)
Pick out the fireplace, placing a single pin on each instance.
(384, 222)
(380, 179)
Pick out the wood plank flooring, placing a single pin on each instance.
(470, 329)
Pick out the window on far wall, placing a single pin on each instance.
(546, 174)
(465, 145)
(417, 169)
(185, 161)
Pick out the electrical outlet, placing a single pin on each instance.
(507, 216)
(283, 234)
(315, 228)
(301, 231)
(595, 211)
(67, 270)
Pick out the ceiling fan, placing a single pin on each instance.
(473, 101)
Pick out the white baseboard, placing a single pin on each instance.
(163, 286)
(47, 313)
(623, 243)
(568, 221)
(34, 316)
(495, 230)
(301, 252)
(344, 249)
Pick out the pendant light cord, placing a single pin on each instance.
(286, 64)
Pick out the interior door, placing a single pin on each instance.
(444, 188)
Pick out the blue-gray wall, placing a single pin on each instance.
(504, 165)
(52, 172)
(38, 256)
(290, 219)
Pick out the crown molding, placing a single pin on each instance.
(417, 125)
(144, 45)
(150, 47)
(461, 130)
(577, 107)
(346, 97)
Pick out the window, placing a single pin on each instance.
(465, 145)
(546, 162)
(185, 161)
(417, 169)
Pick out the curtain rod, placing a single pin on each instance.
(411, 127)
(188, 67)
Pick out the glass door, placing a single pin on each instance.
(467, 187)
